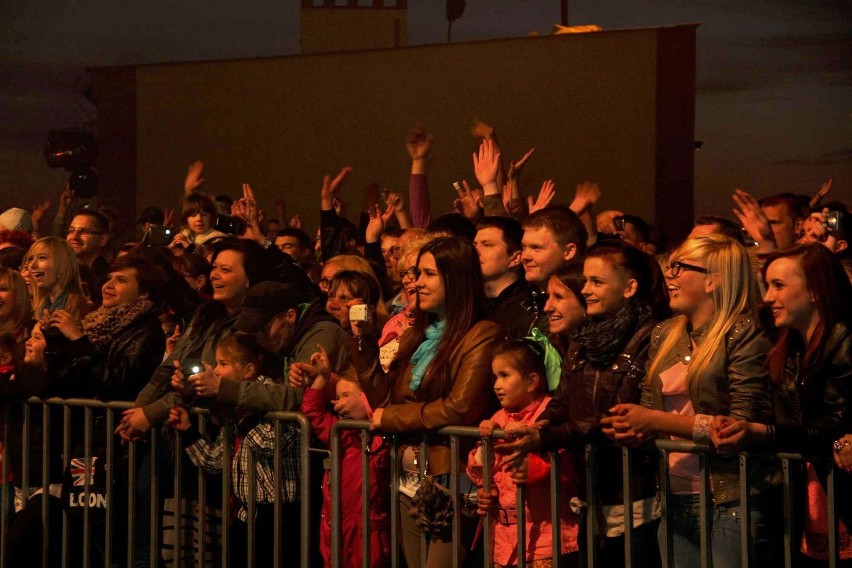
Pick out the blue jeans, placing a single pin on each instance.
(685, 528)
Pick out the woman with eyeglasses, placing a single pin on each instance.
(397, 324)
(55, 275)
(710, 359)
(810, 300)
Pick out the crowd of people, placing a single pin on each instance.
(555, 325)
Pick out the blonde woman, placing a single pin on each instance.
(55, 277)
(710, 359)
(15, 309)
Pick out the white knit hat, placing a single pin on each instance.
(16, 219)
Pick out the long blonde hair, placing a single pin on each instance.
(64, 263)
(733, 296)
(19, 321)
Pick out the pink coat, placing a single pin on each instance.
(315, 407)
(538, 526)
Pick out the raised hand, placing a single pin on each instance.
(193, 177)
(516, 166)
(168, 217)
(545, 196)
(418, 142)
(38, 211)
(377, 223)
(66, 200)
(296, 221)
(752, 217)
(468, 201)
(819, 195)
(486, 164)
(605, 221)
(330, 187)
(586, 195)
(172, 340)
(246, 209)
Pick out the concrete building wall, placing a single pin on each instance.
(613, 107)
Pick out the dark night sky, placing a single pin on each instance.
(774, 96)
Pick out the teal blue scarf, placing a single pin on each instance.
(425, 352)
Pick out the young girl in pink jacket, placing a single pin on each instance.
(521, 382)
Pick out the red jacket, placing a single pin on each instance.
(315, 407)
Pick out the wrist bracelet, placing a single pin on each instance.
(701, 428)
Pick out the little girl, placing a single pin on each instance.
(315, 406)
(520, 383)
(238, 359)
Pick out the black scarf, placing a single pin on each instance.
(602, 339)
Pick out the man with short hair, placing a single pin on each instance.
(786, 215)
(553, 237)
(296, 243)
(87, 234)
(498, 244)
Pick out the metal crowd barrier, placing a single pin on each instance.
(127, 544)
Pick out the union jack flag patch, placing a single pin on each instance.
(79, 472)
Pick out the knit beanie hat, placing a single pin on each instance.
(16, 219)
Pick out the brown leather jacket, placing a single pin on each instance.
(470, 398)
(736, 384)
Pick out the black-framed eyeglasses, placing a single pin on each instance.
(393, 251)
(677, 267)
(413, 273)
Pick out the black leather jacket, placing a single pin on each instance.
(584, 395)
(812, 404)
(735, 384)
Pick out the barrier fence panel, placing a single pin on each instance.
(84, 422)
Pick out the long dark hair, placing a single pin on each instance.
(464, 305)
(832, 293)
(640, 266)
(254, 257)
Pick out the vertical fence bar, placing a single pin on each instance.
(226, 490)
(278, 467)
(66, 453)
(520, 511)
(394, 504)
(555, 500)
(423, 466)
(591, 506)
(365, 500)
(89, 468)
(304, 485)
(745, 518)
(667, 552)
(4, 471)
(705, 505)
(627, 493)
(454, 497)
(252, 509)
(131, 501)
(833, 549)
(487, 475)
(201, 507)
(177, 493)
(154, 526)
(110, 484)
(334, 477)
(45, 484)
(788, 513)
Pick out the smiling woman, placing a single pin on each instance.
(55, 276)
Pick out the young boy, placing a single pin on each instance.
(238, 359)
